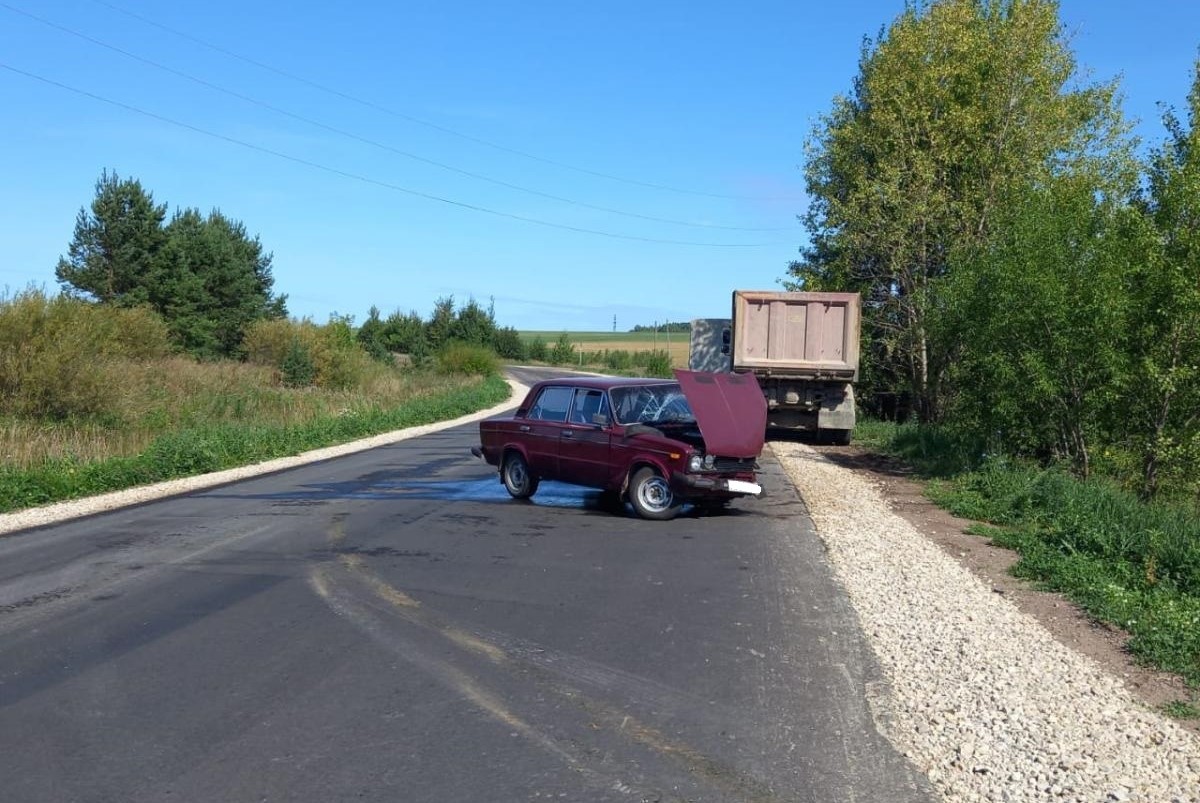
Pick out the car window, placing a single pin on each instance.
(651, 404)
(587, 404)
(552, 404)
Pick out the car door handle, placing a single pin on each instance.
(568, 433)
(524, 427)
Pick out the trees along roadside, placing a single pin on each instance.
(204, 274)
(957, 109)
(1165, 393)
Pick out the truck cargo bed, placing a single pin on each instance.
(802, 335)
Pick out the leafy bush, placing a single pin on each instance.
(297, 366)
(563, 351)
(655, 363)
(338, 358)
(61, 357)
(508, 345)
(536, 350)
(618, 360)
(268, 342)
(468, 359)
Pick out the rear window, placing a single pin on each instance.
(552, 404)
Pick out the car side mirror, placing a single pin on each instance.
(600, 420)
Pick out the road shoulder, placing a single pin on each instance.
(1067, 622)
(78, 508)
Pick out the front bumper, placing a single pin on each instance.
(700, 485)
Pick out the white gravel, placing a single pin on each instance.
(64, 511)
(984, 700)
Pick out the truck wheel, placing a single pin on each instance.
(651, 496)
(836, 437)
(519, 483)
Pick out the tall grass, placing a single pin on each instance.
(60, 357)
(225, 444)
(91, 400)
(1127, 562)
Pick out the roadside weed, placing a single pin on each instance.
(1129, 563)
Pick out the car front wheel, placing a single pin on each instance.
(519, 483)
(651, 496)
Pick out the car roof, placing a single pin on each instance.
(604, 382)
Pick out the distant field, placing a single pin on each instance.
(675, 343)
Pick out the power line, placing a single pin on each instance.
(435, 126)
(367, 141)
(365, 179)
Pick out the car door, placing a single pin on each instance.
(583, 444)
(542, 428)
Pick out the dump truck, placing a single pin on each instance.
(802, 347)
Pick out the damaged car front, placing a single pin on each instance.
(655, 443)
(705, 431)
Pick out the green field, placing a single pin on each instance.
(674, 343)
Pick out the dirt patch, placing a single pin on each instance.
(1103, 643)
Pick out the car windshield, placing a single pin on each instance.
(651, 404)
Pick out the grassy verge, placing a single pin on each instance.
(201, 444)
(1127, 563)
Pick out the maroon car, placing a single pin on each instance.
(655, 442)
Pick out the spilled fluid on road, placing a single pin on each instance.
(484, 490)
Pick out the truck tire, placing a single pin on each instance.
(835, 437)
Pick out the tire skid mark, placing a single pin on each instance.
(343, 603)
(121, 574)
(381, 589)
(549, 668)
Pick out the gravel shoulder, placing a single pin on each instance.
(999, 692)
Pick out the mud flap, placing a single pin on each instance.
(837, 413)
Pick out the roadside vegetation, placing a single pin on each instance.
(1030, 277)
(168, 354)
(96, 397)
(1128, 562)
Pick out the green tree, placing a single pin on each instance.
(1038, 321)
(116, 243)
(211, 281)
(1165, 392)
(405, 334)
(563, 351)
(958, 108)
(507, 343)
(537, 350)
(297, 368)
(440, 329)
(473, 324)
(205, 275)
(371, 336)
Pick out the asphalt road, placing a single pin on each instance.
(390, 626)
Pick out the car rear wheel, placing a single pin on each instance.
(651, 496)
(519, 483)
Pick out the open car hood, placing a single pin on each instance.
(730, 410)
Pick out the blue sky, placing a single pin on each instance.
(710, 102)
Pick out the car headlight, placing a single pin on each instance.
(694, 463)
(708, 461)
